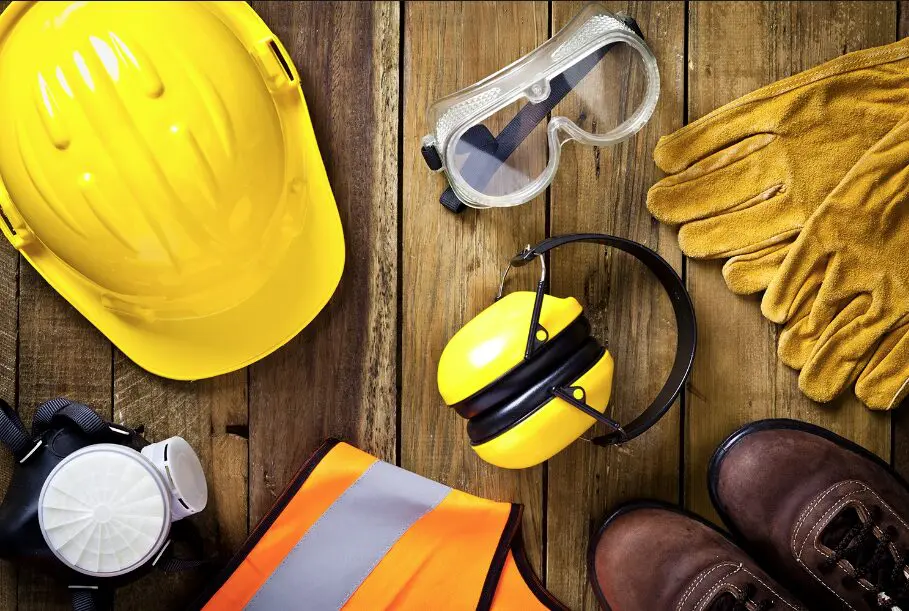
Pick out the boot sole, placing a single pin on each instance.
(628, 508)
(777, 424)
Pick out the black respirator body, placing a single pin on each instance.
(91, 503)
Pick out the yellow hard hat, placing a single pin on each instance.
(158, 167)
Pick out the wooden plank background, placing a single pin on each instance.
(365, 369)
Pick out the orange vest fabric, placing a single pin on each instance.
(352, 532)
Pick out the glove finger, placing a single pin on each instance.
(799, 335)
(884, 383)
(752, 273)
(762, 111)
(833, 301)
(728, 180)
(721, 129)
(765, 223)
(804, 263)
(844, 349)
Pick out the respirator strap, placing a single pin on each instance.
(91, 598)
(684, 316)
(81, 416)
(15, 436)
(187, 534)
(13, 433)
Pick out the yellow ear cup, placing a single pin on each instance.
(552, 427)
(515, 421)
(493, 343)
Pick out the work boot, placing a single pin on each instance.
(826, 516)
(654, 557)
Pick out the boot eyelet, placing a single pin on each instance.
(892, 532)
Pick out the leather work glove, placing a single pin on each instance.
(743, 180)
(843, 288)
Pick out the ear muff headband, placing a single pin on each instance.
(685, 324)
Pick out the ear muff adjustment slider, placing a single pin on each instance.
(568, 395)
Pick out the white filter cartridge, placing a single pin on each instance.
(104, 510)
(176, 460)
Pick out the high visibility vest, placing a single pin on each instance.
(353, 532)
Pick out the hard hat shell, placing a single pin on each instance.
(159, 169)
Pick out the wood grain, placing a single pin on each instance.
(9, 327)
(203, 413)
(604, 190)
(452, 263)
(337, 378)
(365, 369)
(734, 49)
(60, 354)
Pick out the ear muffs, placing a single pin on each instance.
(530, 378)
(514, 420)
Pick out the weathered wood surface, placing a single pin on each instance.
(452, 264)
(365, 369)
(252, 429)
(338, 377)
(604, 190)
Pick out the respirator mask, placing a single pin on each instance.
(93, 503)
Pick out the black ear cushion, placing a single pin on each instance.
(509, 386)
(528, 399)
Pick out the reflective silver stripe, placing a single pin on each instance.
(346, 543)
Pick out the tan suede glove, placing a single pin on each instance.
(843, 288)
(744, 179)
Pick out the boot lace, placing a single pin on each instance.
(871, 557)
(729, 602)
(749, 595)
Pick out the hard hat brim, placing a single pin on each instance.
(195, 348)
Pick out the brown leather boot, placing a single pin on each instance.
(824, 515)
(650, 556)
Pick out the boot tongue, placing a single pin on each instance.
(723, 602)
(861, 551)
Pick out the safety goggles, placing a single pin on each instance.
(595, 82)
